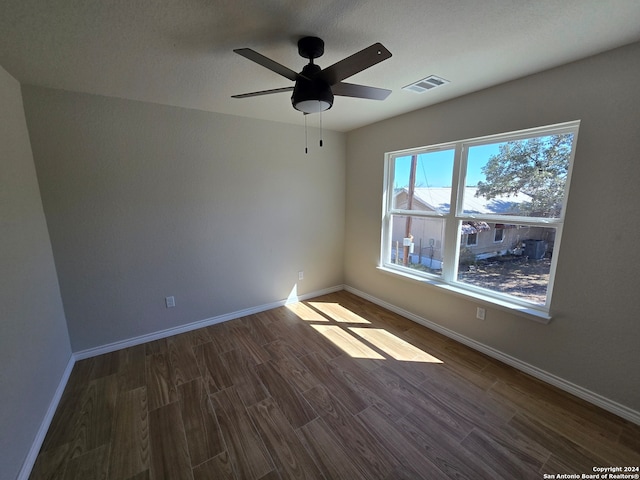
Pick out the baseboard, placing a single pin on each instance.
(569, 387)
(130, 342)
(32, 455)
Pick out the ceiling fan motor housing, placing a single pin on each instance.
(311, 94)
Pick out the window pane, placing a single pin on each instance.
(432, 173)
(518, 266)
(520, 177)
(417, 242)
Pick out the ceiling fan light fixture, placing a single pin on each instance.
(312, 106)
(311, 97)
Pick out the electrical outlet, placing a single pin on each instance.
(170, 302)
(480, 313)
(300, 275)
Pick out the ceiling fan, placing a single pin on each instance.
(315, 87)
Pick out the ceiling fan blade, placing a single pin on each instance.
(357, 62)
(263, 92)
(359, 91)
(267, 63)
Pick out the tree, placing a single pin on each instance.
(535, 166)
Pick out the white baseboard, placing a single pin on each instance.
(130, 342)
(587, 395)
(30, 460)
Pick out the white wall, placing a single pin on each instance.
(144, 201)
(34, 345)
(592, 340)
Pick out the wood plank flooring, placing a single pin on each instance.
(331, 388)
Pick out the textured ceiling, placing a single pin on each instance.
(179, 52)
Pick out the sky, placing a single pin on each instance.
(435, 169)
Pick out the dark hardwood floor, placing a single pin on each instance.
(333, 388)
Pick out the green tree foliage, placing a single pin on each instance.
(535, 166)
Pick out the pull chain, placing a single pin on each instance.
(306, 150)
(320, 127)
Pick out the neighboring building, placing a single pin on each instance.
(479, 240)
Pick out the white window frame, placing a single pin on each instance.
(453, 221)
(495, 232)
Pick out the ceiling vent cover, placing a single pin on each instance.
(425, 84)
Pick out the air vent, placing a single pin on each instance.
(425, 84)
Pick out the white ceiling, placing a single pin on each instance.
(179, 52)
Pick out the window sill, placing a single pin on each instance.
(531, 313)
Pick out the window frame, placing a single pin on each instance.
(452, 237)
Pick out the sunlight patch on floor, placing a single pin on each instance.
(306, 313)
(355, 335)
(347, 342)
(394, 346)
(338, 313)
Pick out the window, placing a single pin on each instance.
(472, 239)
(483, 215)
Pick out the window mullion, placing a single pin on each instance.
(452, 236)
